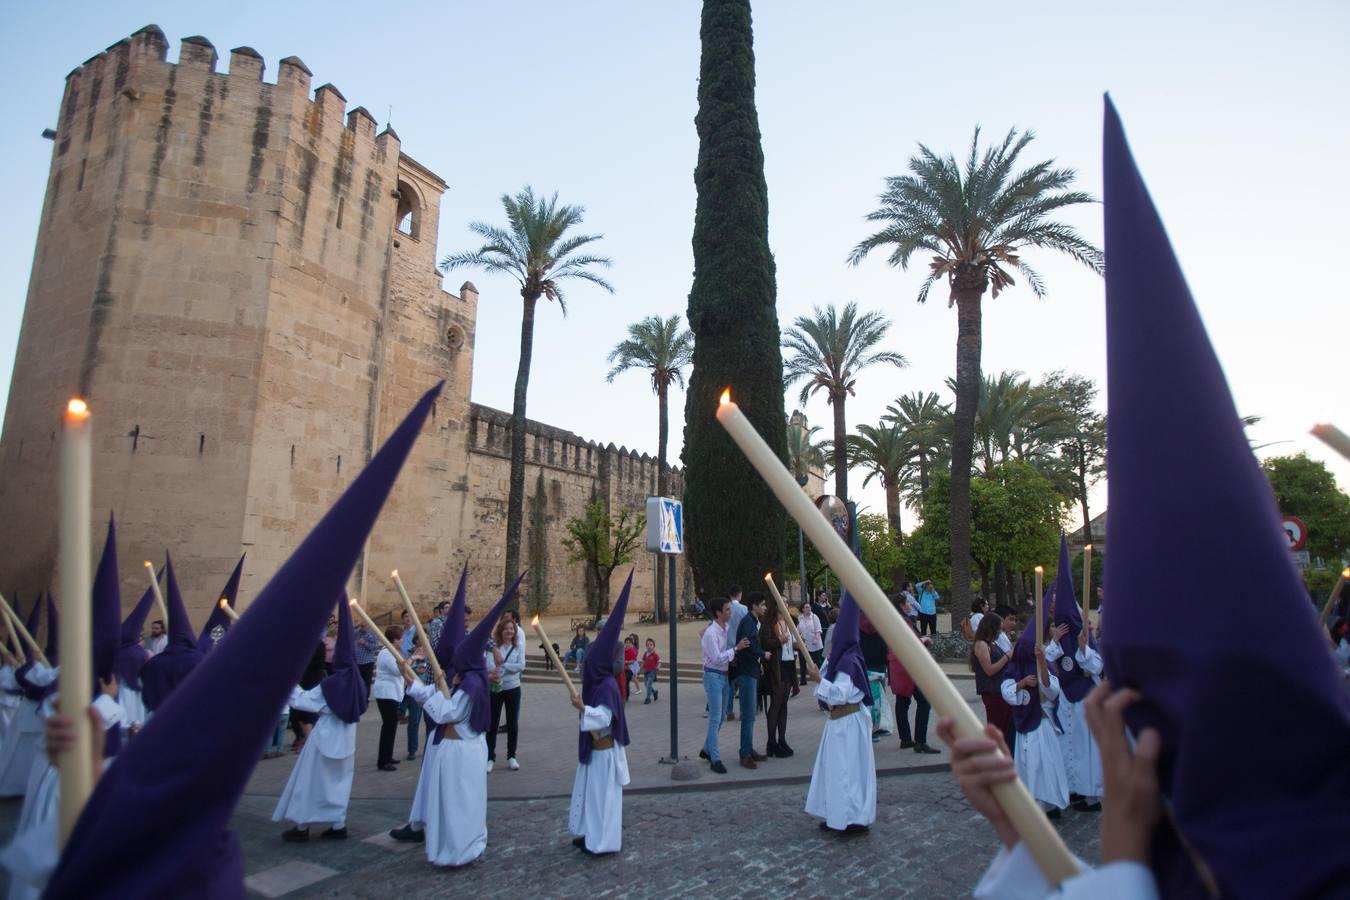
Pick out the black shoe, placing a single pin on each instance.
(408, 835)
(1075, 798)
(924, 748)
(1053, 814)
(1084, 806)
(388, 767)
(703, 754)
(906, 744)
(718, 767)
(412, 756)
(579, 843)
(857, 829)
(784, 751)
(295, 835)
(771, 750)
(335, 834)
(757, 756)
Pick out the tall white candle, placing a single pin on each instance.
(1042, 841)
(76, 641)
(1040, 613)
(228, 610)
(1087, 587)
(159, 595)
(553, 657)
(429, 650)
(792, 626)
(1333, 437)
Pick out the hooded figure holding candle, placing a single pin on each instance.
(596, 812)
(218, 623)
(1040, 763)
(165, 671)
(36, 680)
(320, 785)
(32, 855)
(1077, 665)
(454, 808)
(131, 655)
(427, 795)
(843, 788)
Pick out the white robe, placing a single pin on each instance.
(32, 855)
(1014, 875)
(1082, 760)
(843, 787)
(133, 706)
(596, 812)
(9, 702)
(17, 753)
(454, 806)
(321, 782)
(1040, 763)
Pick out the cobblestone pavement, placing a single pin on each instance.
(742, 841)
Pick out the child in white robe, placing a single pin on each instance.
(19, 752)
(451, 801)
(320, 785)
(1082, 759)
(1040, 763)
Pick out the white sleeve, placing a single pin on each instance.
(1118, 880)
(839, 691)
(1053, 651)
(421, 693)
(42, 675)
(310, 700)
(593, 718)
(1090, 660)
(1050, 692)
(110, 711)
(442, 711)
(1013, 695)
(1014, 875)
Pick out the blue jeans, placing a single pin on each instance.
(716, 686)
(576, 656)
(748, 685)
(414, 719)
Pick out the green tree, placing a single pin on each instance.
(734, 521)
(828, 350)
(880, 551)
(881, 451)
(663, 348)
(927, 425)
(1306, 488)
(535, 249)
(603, 543)
(975, 221)
(804, 453)
(1082, 444)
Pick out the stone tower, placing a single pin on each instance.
(240, 278)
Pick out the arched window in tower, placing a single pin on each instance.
(409, 215)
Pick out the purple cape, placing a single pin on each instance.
(345, 690)
(34, 692)
(845, 654)
(131, 655)
(164, 672)
(452, 632)
(156, 824)
(470, 667)
(599, 687)
(1073, 681)
(218, 623)
(1206, 646)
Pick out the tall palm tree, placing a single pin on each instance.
(883, 451)
(804, 453)
(927, 425)
(829, 349)
(975, 221)
(534, 249)
(663, 347)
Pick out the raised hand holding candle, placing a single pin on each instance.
(159, 595)
(1044, 844)
(1335, 595)
(370, 625)
(430, 651)
(552, 655)
(228, 610)
(792, 626)
(76, 636)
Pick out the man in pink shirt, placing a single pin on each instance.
(717, 654)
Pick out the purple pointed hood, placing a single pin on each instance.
(107, 609)
(345, 690)
(131, 654)
(1027, 718)
(469, 665)
(452, 632)
(1073, 681)
(599, 687)
(219, 621)
(34, 692)
(163, 673)
(845, 654)
(1203, 657)
(156, 824)
(53, 648)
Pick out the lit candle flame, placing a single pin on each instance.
(77, 407)
(224, 602)
(1039, 569)
(534, 621)
(352, 602)
(1088, 547)
(393, 574)
(1345, 573)
(149, 565)
(726, 397)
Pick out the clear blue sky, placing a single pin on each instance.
(1235, 111)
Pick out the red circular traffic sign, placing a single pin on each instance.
(1295, 531)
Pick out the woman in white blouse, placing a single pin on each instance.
(388, 692)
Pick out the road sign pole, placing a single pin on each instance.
(674, 674)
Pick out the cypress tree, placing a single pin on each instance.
(735, 524)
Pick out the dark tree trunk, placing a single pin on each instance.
(923, 476)
(662, 435)
(893, 519)
(1082, 494)
(515, 503)
(1000, 584)
(984, 584)
(840, 449)
(968, 289)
